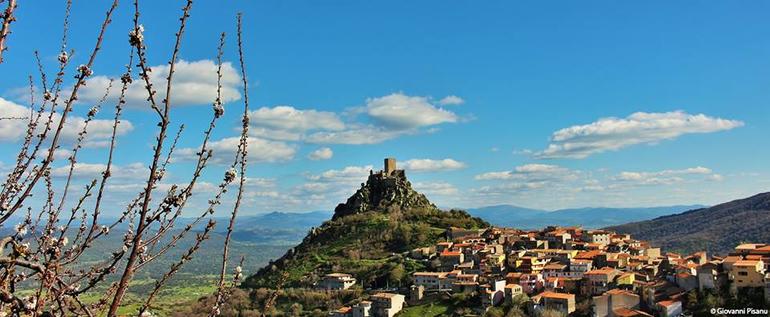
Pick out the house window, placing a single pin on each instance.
(743, 273)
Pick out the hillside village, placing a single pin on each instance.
(557, 268)
(481, 270)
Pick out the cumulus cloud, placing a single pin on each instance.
(429, 165)
(399, 111)
(356, 135)
(609, 134)
(436, 188)
(665, 177)
(258, 182)
(329, 187)
(451, 100)
(348, 174)
(290, 124)
(323, 153)
(380, 119)
(508, 188)
(99, 131)
(531, 172)
(260, 150)
(194, 83)
(133, 171)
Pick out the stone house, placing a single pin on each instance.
(562, 302)
(747, 273)
(609, 303)
(386, 304)
(600, 280)
(669, 308)
(336, 281)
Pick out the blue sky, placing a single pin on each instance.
(551, 105)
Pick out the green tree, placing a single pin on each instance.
(295, 310)
(396, 274)
(494, 312)
(551, 313)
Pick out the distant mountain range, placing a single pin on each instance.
(276, 227)
(598, 217)
(717, 229)
(292, 226)
(285, 220)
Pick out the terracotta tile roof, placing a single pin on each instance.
(667, 303)
(625, 312)
(587, 255)
(683, 275)
(731, 259)
(749, 246)
(549, 294)
(554, 266)
(602, 271)
(344, 310)
(617, 291)
(747, 263)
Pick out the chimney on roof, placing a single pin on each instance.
(390, 165)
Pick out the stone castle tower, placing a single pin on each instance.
(383, 189)
(390, 165)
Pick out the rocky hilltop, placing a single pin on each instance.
(367, 236)
(383, 191)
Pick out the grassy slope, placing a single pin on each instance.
(432, 309)
(367, 245)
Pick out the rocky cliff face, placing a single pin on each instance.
(383, 192)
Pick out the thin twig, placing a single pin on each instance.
(5, 28)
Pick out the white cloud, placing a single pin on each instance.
(436, 188)
(665, 177)
(260, 150)
(531, 172)
(99, 131)
(609, 134)
(399, 111)
(495, 175)
(356, 136)
(348, 174)
(509, 188)
(289, 123)
(257, 182)
(94, 170)
(451, 100)
(328, 188)
(381, 119)
(323, 153)
(194, 83)
(429, 165)
(277, 135)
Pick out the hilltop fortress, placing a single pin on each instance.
(383, 190)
